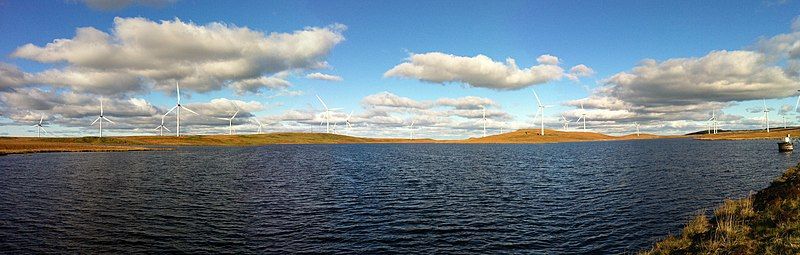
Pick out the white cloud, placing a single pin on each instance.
(324, 77)
(387, 99)
(468, 102)
(202, 57)
(478, 71)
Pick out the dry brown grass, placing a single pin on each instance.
(765, 223)
(553, 136)
(125, 143)
(36, 145)
(777, 133)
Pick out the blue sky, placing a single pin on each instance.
(607, 36)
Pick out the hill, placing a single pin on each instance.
(777, 133)
(127, 143)
(553, 136)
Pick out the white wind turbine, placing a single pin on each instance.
(326, 115)
(637, 128)
(484, 120)
(539, 111)
(178, 107)
(230, 120)
(766, 114)
(162, 127)
(101, 118)
(583, 116)
(40, 128)
(712, 122)
(347, 121)
(411, 130)
(259, 124)
(565, 122)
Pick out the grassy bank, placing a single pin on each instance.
(18, 145)
(767, 222)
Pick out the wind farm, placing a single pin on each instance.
(374, 127)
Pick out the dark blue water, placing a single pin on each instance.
(599, 197)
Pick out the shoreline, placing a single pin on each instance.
(767, 222)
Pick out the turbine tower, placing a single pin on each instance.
(259, 124)
(326, 115)
(565, 122)
(484, 120)
(40, 128)
(583, 117)
(411, 130)
(766, 114)
(712, 122)
(230, 120)
(347, 121)
(101, 118)
(162, 127)
(539, 111)
(178, 108)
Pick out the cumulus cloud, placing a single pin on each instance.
(324, 77)
(140, 52)
(677, 91)
(11, 76)
(468, 102)
(477, 71)
(111, 5)
(387, 99)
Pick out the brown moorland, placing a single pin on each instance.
(131, 143)
(776, 133)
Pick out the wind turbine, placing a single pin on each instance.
(259, 124)
(347, 121)
(162, 127)
(178, 107)
(101, 118)
(411, 129)
(565, 121)
(637, 128)
(40, 128)
(539, 111)
(583, 117)
(712, 122)
(230, 120)
(327, 115)
(766, 114)
(484, 120)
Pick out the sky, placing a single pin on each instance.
(386, 64)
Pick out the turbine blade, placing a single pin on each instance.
(170, 110)
(95, 120)
(165, 127)
(45, 130)
(108, 120)
(537, 97)
(350, 115)
(189, 110)
(257, 121)
(234, 114)
(101, 106)
(797, 104)
(41, 119)
(322, 102)
(158, 127)
(178, 89)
